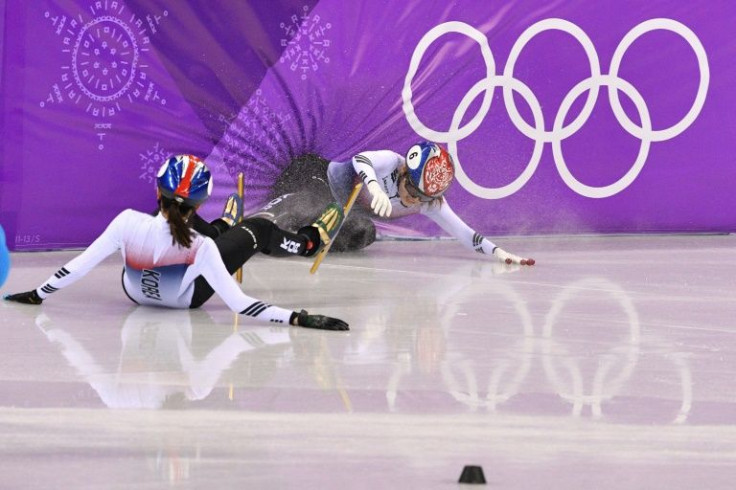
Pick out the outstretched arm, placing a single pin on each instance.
(444, 216)
(75, 269)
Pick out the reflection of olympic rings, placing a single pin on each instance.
(586, 375)
(628, 352)
(503, 368)
(559, 132)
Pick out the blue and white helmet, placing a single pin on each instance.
(431, 169)
(185, 179)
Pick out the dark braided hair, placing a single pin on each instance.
(181, 232)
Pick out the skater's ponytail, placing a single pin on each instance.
(177, 215)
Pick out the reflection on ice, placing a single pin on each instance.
(449, 361)
(156, 367)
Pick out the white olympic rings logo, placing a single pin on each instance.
(645, 133)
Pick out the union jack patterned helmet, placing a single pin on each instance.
(185, 179)
(431, 169)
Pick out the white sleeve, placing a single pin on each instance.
(444, 216)
(217, 276)
(375, 165)
(106, 244)
(86, 366)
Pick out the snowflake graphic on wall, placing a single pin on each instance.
(253, 132)
(305, 42)
(151, 161)
(106, 48)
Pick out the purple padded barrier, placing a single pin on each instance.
(518, 91)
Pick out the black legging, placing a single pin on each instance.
(241, 242)
(302, 192)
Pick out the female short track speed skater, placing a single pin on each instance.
(394, 186)
(169, 263)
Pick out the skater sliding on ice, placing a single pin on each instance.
(177, 260)
(393, 186)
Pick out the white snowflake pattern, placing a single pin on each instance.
(253, 131)
(306, 42)
(107, 48)
(151, 161)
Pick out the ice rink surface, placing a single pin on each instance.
(611, 364)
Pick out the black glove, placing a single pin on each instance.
(28, 298)
(321, 322)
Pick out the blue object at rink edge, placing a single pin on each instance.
(4, 258)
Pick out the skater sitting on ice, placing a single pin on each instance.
(168, 263)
